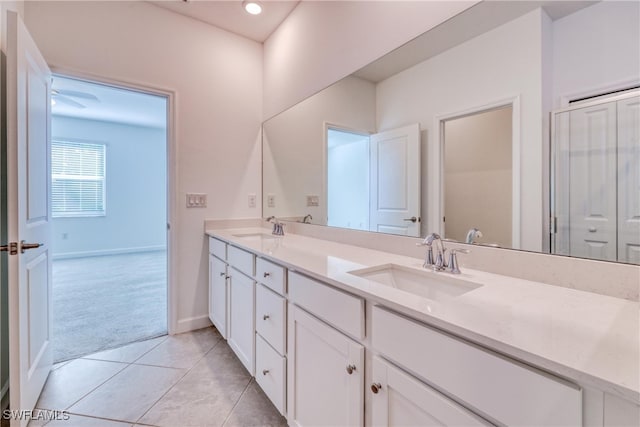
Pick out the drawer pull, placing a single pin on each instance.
(265, 371)
(376, 387)
(265, 317)
(350, 369)
(265, 274)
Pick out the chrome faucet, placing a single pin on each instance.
(307, 219)
(472, 235)
(439, 263)
(278, 228)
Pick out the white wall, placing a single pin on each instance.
(294, 145)
(602, 42)
(135, 186)
(498, 65)
(217, 80)
(321, 42)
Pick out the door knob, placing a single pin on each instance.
(412, 219)
(265, 371)
(350, 369)
(265, 317)
(265, 275)
(376, 387)
(25, 246)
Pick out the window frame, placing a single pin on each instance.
(79, 213)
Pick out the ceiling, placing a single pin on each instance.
(231, 16)
(112, 104)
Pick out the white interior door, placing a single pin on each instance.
(629, 180)
(28, 185)
(592, 182)
(395, 181)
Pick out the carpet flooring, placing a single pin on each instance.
(104, 302)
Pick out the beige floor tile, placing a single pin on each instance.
(82, 421)
(182, 351)
(129, 394)
(128, 353)
(220, 360)
(255, 409)
(69, 383)
(198, 400)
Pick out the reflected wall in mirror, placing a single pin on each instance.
(523, 60)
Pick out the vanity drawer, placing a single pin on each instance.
(507, 391)
(343, 310)
(241, 260)
(271, 275)
(218, 248)
(270, 373)
(271, 317)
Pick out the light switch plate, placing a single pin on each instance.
(251, 200)
(196, 200)
(313, 200)
(271, 200)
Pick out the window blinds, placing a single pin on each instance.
(78, 171)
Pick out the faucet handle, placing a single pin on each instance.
(453, 260)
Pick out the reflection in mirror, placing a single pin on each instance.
(526, 60)
(478, 177)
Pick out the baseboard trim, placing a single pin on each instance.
(119, 251)
(191, 324)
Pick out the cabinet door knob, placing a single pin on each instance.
(350, 369)
(376, 387)
(265, 371)
(265, 274)
(222, 274)
(265, 317)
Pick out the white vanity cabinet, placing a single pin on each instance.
(218, 285)
(502, 390)
(399, 399)
(326, 374)
(271, 332)
(326, 368)
(241, 303)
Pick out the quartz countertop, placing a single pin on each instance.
(586, 337)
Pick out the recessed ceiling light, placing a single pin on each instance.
(252, 7)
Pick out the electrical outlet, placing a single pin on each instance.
(271, 200)
(252, 200)
(196, 200)
(313, 200)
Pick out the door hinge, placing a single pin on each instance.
(12, 248)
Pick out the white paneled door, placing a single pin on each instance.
(29, 216)
(395, 181)
(592, 182)
(629, 180)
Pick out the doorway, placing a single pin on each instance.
(109, 216)
(478, 177)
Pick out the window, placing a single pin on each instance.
(77, 179)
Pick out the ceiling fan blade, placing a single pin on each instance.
(77, 94)
(65, 100)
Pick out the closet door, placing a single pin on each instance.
(593, 182)
(629, 180)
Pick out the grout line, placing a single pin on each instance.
(238, 401)
(174, 384)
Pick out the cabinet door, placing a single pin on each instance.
(242, 318)
(325, 374)
(218, 294)
(401, 400)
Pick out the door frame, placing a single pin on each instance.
(325, 161)
(171, 175)
(436, 164)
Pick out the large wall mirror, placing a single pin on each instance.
(514, 124)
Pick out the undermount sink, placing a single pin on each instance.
(427, 284)
(256, 236)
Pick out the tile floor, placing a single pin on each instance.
(192, 379)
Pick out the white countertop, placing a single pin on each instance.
(589, 338)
